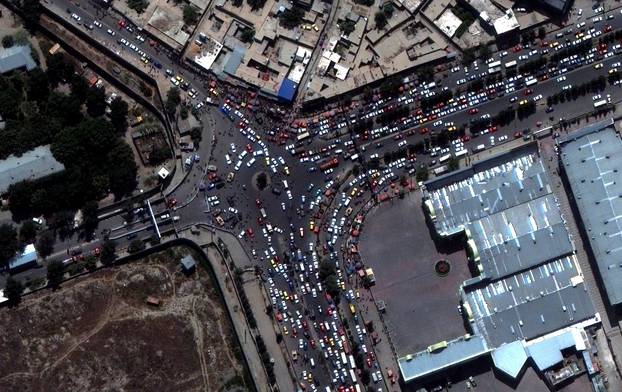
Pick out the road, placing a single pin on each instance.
(288, 254)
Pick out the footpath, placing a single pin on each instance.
(207, 238)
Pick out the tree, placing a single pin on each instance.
(28, 232)
(262, 181)
(37, 86)
(13, 291)
(326, 269)
(256, 4)
(63, 221)
(190, 15)
(55, 274)
(108, 254)
(96, 101)
(7, 41)
(453, 164)
(159, 153)
(247, 35)
(332, 287)
(388, 10)
(9, 243)
(380, 19)
(291, 18)
(60, 68)
(146, 90)
(31, 10)
(237, 3)
(347, 26)
(136, 246)
(173, 99)
(138, 5)
(484, 51)
(45, 243)
(541, 33)
(118, 114)
(122, 170)
(90, 219)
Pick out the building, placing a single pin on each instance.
(26, 259)
(16, 58)
(501, 22)
(590, 160)
(558, 7)
(188, 264)
(32, 165)
(528, 298)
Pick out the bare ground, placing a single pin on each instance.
(98, 333)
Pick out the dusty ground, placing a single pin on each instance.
(97, 333)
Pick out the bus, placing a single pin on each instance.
(344, 359)
(444, 158)
(494, 64)
(352, 376)
(461, 153)
(302, 136)
(493, 70)
(531, 81)
(440, 170)
(600, 103)
(510, 64)
(352, 363)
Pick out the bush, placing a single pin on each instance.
(247, 35)
(138, 5)
(7, 41)
(381, 20)
(291, 18)
(191, 16)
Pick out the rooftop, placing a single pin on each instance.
(31, 165)
(16, 57)
(591, 158)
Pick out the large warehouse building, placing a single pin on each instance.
(528, 299)
(591, 161)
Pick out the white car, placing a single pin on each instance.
(76, 17)
(97, 23)
(109, 31)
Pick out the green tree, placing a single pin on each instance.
(9, 243)
(237, 3)
(60, 68)
(79, 88)
(37, 85)
(380, 19)
(28, 232)
(191, 15)
(291, 18)
(347, 26)
(63, 222)
(7, 41)
(55, 273)
(326, 269)
(90, 263)
(136, 246)
(256, 4)
(262, 181)
(13, 291)
(31, 10)
(159, 153)
(484, 51)
(138, 5)
(453, 164)
(388, 10)
(247, 35)
(118, 114)
(108, 254)
(45, 243)
(90, 219)
(96, 101)
(173, 99)
(332, 287)
(122, 170)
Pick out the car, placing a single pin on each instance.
(473, 110)
(110, 32)
(97, 23)
(76, 17)
(513, 99)
(598, 66)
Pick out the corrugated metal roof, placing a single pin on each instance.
(592, 159)
(31, 165)
(16, 57)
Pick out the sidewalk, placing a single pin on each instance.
(255, 296)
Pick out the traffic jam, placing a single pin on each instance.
(320, 217)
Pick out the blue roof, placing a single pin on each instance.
(510, 358)
(287, 90)
(188, 262)
(28, 256)
(457, 351)
(16, 57)
(234, 60)
(547, 353)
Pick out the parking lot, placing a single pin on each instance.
(397, 244)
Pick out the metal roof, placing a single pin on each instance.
(457, 351)
(31, 165)
(521, 237)
(591, 159)
(188, 262)
(28, 256)
(16, 57)
(531, 303)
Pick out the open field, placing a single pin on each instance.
(97, 333)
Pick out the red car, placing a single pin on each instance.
(249, 148)
(250, 232)
(528, 91)
(423, 131)
(473, 110)
(312, 343)
(258, 202)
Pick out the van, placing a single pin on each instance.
(312, 362)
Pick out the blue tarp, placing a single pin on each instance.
(287, 90)
(234, 60)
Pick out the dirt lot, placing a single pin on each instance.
(97, 333)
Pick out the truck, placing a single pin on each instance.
(344, 359)
(600, 103)
(510, 64)
(531, 81)
(329, 164)
(444, 158)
